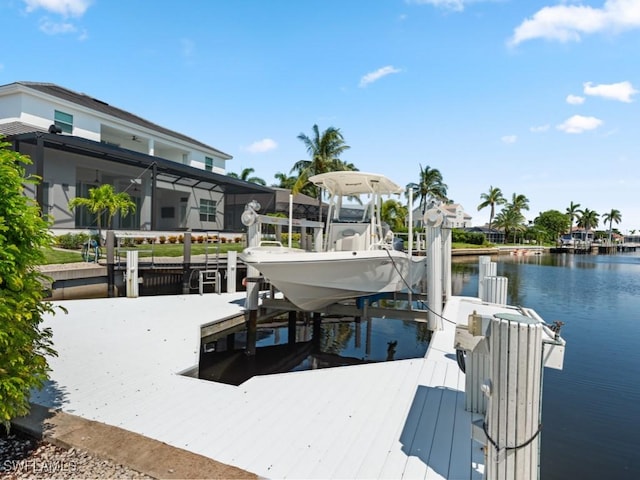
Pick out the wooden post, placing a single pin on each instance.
(494, 289)
(486, 268)
(252, 333)
(186, 267)
(253, 293)
(293, 316)
(132, 274)
(111, 269)
(512, 423)
(317, 239)
(317, 328)
(434, 274)
(232, 268)
(446, 262)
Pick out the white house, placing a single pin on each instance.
(455, 216)
(78, 142)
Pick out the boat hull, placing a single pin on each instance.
(314, 280)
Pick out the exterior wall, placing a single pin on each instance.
(37, 109)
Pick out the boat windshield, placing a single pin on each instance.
(350, 213)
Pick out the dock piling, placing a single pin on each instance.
(512, 423)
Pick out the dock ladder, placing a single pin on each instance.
(210, 276)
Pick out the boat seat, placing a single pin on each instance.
(348, 236)
(350, 242)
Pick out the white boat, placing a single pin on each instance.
(359, 256)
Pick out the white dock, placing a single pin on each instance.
(120, 361)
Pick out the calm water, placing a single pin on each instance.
(591, 409)
(335, 343)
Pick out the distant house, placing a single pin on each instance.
(78, 142)
(454, 213)
(491, 234)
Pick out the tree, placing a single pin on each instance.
(104, 199)
(588, 219)
(490, 199)
(519, 202)
(245, 176)
(613, 216)
(393, 213)
(24, 344)
(511, 221)
(430, 187)
(553, 222)
(324, 150)
(284, 181)
(573, 213)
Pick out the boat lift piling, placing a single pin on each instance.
(505, 354)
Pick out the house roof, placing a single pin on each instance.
(168, 171)
(17, 128)
(103, 107)
(282, 196)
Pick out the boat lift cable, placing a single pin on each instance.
(422, 303)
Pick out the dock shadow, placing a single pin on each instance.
(437, 431)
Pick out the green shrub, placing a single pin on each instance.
(24, 235)
(295, 238)
(72, 241)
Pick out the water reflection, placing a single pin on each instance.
(332, 342)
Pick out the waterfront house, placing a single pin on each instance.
(454, 214)
(78, 142)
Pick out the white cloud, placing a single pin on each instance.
(566, 23)
(56, 28)
(455, 5)
(539, 129)
(575, 100)
(579, 124)
(261, 146)
(509, 139)
(67, 8)
(377, 75)
(622, 91)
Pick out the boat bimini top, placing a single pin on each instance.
(348, 183)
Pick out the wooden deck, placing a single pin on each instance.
(119, 363)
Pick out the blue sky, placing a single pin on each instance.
(538, 98)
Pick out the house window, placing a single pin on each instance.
(208, 164)
(207, 210)
(64, 121)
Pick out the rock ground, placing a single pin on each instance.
(23, 457)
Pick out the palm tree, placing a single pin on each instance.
(588, 219)
(490, 199)
(429, 188)
(511, 221)
(573, 212)
(104, 199)
(393, 213)
(324, 150)
(613, 216)
(245, 176)
(284, 181)
(519, 202)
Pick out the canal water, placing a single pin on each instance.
(591, 409)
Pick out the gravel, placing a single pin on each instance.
(22, 457)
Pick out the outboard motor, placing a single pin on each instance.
(398, 244)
